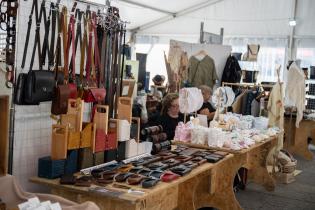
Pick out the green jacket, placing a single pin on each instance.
(201, 72)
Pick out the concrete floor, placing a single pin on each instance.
(298, 195)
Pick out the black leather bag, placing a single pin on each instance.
(40, 86)
(19, 90)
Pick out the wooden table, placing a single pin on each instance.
(296, 138)
(253, 158)
(207, 185)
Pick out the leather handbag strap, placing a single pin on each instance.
(83, 50)
(45, 49)
(64, 21)
(70, 42)
(71, 39)
(96, 49)
(78, 35)
(54, 16)
(103, 60)
(37, 35)
(29, 25)
(89, 50)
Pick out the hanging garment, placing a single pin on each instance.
(295, 90)
(232, 71)
(174, 56)
(255, 108)
(244, 101)
(250, 97)
(237, 105)
(201, 72)
(275, 105)
(183, 68)
(275, 109)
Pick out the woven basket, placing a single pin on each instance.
(286, 162)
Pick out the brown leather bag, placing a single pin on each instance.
(60, 101)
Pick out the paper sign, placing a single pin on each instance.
(125, 91)
(203, 121)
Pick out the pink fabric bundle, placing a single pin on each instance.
(183, 132)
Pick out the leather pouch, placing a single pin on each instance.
(180, 170)
(149, 182)
(94, 95)
(212, 159)
(135, 179)
(122, 177)
(68, 179)
(60, 100)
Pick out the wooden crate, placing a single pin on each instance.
(124, 108)
(59, 142)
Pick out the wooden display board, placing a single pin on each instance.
(4, 137)
(296, 140)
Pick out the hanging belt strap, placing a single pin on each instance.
(78, 35)
(64, 21)
(89, 49)
(29, 25)
(103, 59)
(45, 49)
(37, 35)
(71, 38)
(83, 50)
(57, 53)
(54, 16)
(96, 49)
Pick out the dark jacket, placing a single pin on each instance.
(232, 71)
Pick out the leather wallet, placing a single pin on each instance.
(183, 158)
(180, 170)
(157, 166)
(198, 160)
(135, 179)
(166, 155)
(149, 182)
(144, 172)
(156, 174)
(124, 168)
(212, 159)
(171, 162)
(136, 169)
(169, 176)
(122, 177)
(68, 179)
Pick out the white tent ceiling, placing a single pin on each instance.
(237, 17)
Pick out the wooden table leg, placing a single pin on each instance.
(216, 190)
(257, 165)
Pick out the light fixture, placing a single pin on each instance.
(292, 22)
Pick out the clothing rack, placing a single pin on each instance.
(246, 85)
